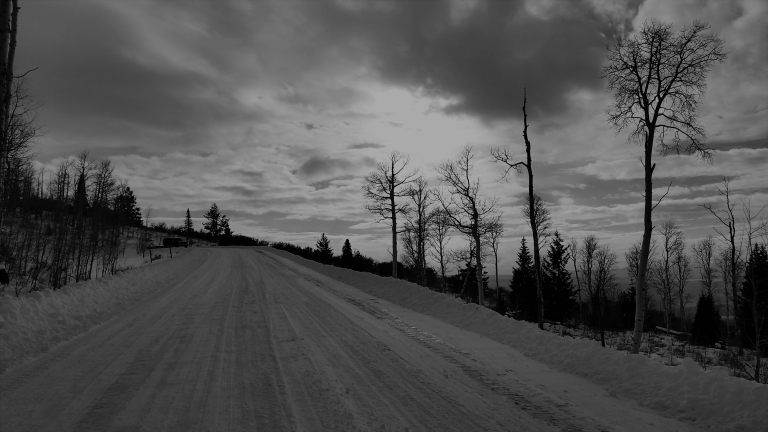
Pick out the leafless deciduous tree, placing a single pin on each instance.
(470, 213)
(704, 255)
(587, 266)
(658, 78)
(383, 188)
(604, 278)
(734, 264)
(753, 228)
(438, 240)
(681, 263)
(573, 245)
(632, 256)
(505, 156)
(662, 270)
(418, 221)
(495, 233)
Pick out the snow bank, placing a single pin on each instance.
(709, 399)
(33, 323)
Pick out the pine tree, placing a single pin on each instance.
(213, 226)
(523, 296)
(558, 289)
(323, 250)
(347, 257)
(707, 322)
(189, 227)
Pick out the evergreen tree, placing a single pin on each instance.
(523, 296)
(189, 227)
(225, 236)
(347, 257)
(559, 292)
(753, 297)
(213, 226)
(125, 206)
(706, 322)
(323, 250)
(80, 199)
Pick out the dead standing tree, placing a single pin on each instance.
(505, 156)
(658, 79)
(469, 213)
(383, 187)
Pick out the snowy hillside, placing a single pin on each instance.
(709, 399)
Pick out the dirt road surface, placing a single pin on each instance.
(249, 341)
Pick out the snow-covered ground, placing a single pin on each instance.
(216, 337)
(34, 322)
(710, 399)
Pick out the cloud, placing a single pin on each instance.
(482, 60)
(365, 145)
(318, 168)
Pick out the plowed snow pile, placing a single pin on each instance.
(31, 324)
(711, 399)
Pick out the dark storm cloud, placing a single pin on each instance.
(481, 60)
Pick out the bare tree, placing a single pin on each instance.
(632, 256)
(658, 79)
(505, 156)
(470, 214)
(662, 270)
(438, 239)
(495, 233)
(727, 218)
(723, 261)
(418, 221)
(752, 229)
(604, 281)
(383, 188)
(9, 15)
(587, 266)
(573, 245)
(704, 257)
(682, 273)
(542, 217)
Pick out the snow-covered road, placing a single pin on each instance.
(247, 340)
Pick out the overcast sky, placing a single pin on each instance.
(275, 110)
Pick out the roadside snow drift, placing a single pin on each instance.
(33, 323)
(708, 399)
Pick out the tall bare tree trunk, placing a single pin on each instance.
(394, 233)
(534, 227)
(479, 257)
(642, 282)
(6, 30)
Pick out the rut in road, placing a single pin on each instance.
(245, 342)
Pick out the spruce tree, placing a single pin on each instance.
(706, 323)
(323, 250)
(213, 226)
(559, 292)
(188, 225)
(347, 257)
(523, 296)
